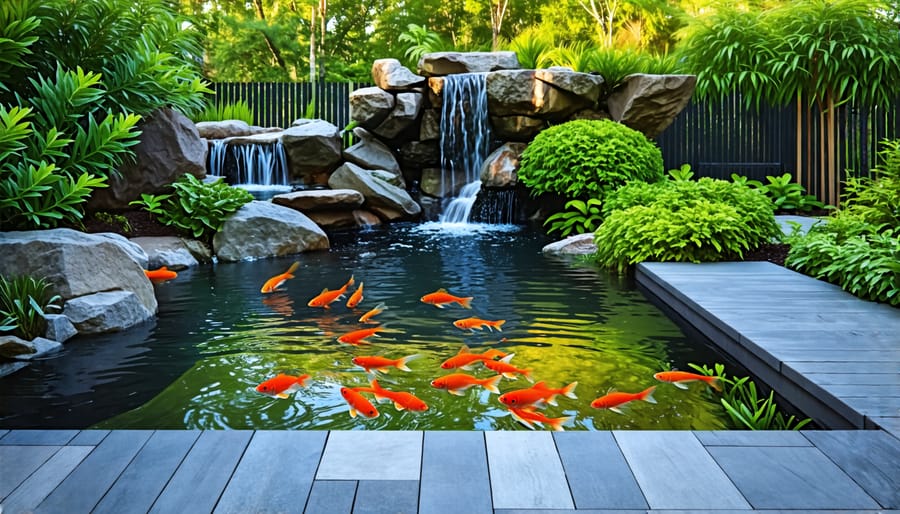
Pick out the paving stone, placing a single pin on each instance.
(752, 438)
(331, 497)
(454, 462)
(598, 475)
(39, 437)
(386, 497)
(371, 455)
(89, 438)
(42, 482)
(675, 471)
(790, 478)
(3, 432)
(526, 472)
(800, 366)
(27, 460)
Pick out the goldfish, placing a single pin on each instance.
(401, 399)
(478, 323)
(161, 274)
(358, 403)
(367, 317)
(359, 336)
(614, 400)
(678, 378)
(456, 383)
(377, 363)
(464, 358)
(441, 298)
(538, 394)
(356, 297)
(506, 369)
(326, 297)
(281, 385)
(272, 284)
(528, 416)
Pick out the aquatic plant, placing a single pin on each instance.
(23, 302)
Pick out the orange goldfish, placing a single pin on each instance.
(272, 284)
(614, 400)
(441, 298)
(478, 323)
(678, 378)
(356, 297)
(358, 403)
(457, 383)
(367, 317)
(161, 274)
(358, 337)
(377, 363)
(506, 369)
(402, 400)
(527, 416)
(281, 385)
(326, 297)
(464, 359)
(538, 394)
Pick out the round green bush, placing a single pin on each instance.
(588, 158)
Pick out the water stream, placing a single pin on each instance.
(250, 164)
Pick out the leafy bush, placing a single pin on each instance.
(588, 159)
(419, 41)
(876, 199)
(23, 301)
(532, 47)
(197, 208)
(234, 111)
(580, 217)
(786, 195)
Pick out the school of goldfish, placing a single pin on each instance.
(524, 405)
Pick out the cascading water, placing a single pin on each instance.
(250, 164)
(465, 140)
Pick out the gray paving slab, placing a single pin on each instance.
(891, 424)
(824, 379)
(38, 437)
(3, 432)
(571, 511)
(526, 472)
(204, 472)
(352, 455)
(42, 482)
(453, 462)
(884, 406)
(790, 478)
(386, 497)
(331, 497)
(88, 482)
(19, 462)
(790, 338)
(598, 475)
(89, 438)
(882, 391)
(148, 473)
(795, 368)
(871, 458)
(751, 438)
(675, 471)
(276, 470)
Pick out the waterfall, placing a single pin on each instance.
(465, 140)
(249, 164)
(495, 206)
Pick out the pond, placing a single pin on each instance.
(217, 337)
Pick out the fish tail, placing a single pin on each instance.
(349, 283)
(491, 384)
(527, 374)
(647, 394)
(493, 352)
(401, 364)
(293, 268)
(569, 390)
(715, 383)
(497, 324)
(557, 423)
(466, 302)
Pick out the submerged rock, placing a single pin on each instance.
(579, 244)
(168, 251)
(111, 311)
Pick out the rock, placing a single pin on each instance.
(264, 138)
(320, 200)
(133, 250)
(12, 347)
(263, 229)
(378, 193)
(75, 263)
(369, 106)
(390, 178)
(448, 63)
(255, 129)
(406, 110)
(431, 208)
(433, 183)
(390, 75)
(223, 129)
(312, 148)
(59, 328)
(430, 125)
(649, 103)
(37, 348)
(200, 250)
(8, 368)
(499, 168)
(517, 128)
(169, 147)
(580, 244)
(584, 85)
(519, 93)
(168, 251)
(333, 220)
(590, 114)
(371, 154)
(111, 311)
(420, 154)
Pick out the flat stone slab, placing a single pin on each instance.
(526, 471)
(453, 462)
(587, 456)
(371, 455)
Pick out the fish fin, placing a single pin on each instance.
(439, 305)
(441, 290)
(680, 385)
(715, 384)
(402, 364)
(498, 324)
(540, 385)
(352, 412)
(493, 352)
(647, 394)
(541, 404)
(381, 399)
(617, 410)
(283, 396)
(468, 367)
(464, 349)
(509, 375)
(507, 358)
(552, 401)
(527, 375)
(457, 392)
(557, 423)
(466, 302)
(491, 384)
(398, 406)
(521, 420)
(569, 391)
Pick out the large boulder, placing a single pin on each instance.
(430, 125)
(370, 153)
(263, 229)
(649, 103)
(440, 183)
(169, 147)
(391, 75)
(223, 129)
(517, 128)
(338, 219)
(369, 106)
(59, 328)
(378, 193)
(12, 347)
(406, 110)
(312, 149)
(584, 85)
(110, 311)
(448, 63)
(168, 251)
(420, 154)
(320, 200)
(520, 93)
(499, 168)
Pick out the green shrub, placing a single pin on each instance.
(579, 217)
(531, 46)
(23, 302)
(588, 159)
(876, 199)
(786, 195)
(234, 111)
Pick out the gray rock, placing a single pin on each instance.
(59, 328)
(499, 168)
(448, 63)
(369, 106)
(420, 154)
(520, 93)
(649, 103)
(430, 125)
(434, 183)
(332, 220)
(390, 75)
(223, 129)
(12, 347)
(406, 110)
(517, 128)
(264, 138)
(583, 85)
(580, 244)
(372, 154)
(378, 193)
(110, 311)
(321, 200)
(169, 251)
(42, 347)
(255, 129)
(8, 368)
(389, 177)
(128, 246)
(200, 250)
(312, 148)
(263, 229)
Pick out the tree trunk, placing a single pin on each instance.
(269, 43)
(834, 176)
(312, 46)
(497, 15)
(799, 133)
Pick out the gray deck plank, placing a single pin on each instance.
(790, 478)
(882, 406)
(26, 459)
(42, 482)
(798, 366)
(751, 438)
(865, 390)
(350, 455)
(588, 455)
(454, 462)
(145, 477)
(824, 379)
(331, 497)
(3, 432)
(386, 497)
(89, 438)
(276, 471)
(526, 472)
(38, 437)
(84, 487)
(204, 472)
(675, 471)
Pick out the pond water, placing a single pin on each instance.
(216, 338)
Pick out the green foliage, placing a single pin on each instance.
(23, 302)
(786, 195)
(239, 110)
(580, 217)
(420, 41)
(114, 219)
(588, 159)
(681, 174)
(615, 64)
(197, 208)
(876, 199)
(532, 47)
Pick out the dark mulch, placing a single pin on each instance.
(134, 223)
(775, 253)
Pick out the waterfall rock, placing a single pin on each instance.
(390, 75)
(338, 219)
(320, 200)
(263, 138)
(169, 147)
(378, 192)
(75, 263)
(583, 85)
(430, 125)
(12, 347)
(517, 128)
(649, 103)
(128, 246)
(223, 129)
(59, 328)
(313, 150)
(433, 184)
(371, 153)
(406, 110)
(520, 93)
(369, 106)
(168, 251)
(499, 168)
(448, 63)
(420, 154)
(579, 244)
(263, 229)
(110, 311)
